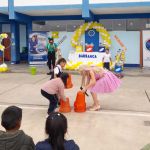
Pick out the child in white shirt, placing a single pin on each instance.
(107, 59)
(58, 68)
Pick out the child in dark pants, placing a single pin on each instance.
(51, 48)
(107, 59)
(53, 90)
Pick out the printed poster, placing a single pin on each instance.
(146, 48)
(37, 48)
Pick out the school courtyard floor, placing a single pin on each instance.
(123, 123)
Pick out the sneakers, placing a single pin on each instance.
(49, 73)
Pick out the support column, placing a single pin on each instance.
(141, 49)
(15, 47)
(29, 30)
(85, 9)
(11, 9)
(87, 14)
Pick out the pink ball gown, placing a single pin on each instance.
(105, 84)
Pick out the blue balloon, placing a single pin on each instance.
(118, 69)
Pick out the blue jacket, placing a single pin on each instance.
(44, 145)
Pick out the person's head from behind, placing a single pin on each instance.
(107, 51)
(64, 76)
(62, 62)
(56, 128)
(11, 118)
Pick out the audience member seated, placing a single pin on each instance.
(13, 138)
(56, 128)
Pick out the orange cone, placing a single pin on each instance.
(69, 82)
(65, 106)
(79, 104)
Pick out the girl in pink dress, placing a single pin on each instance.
(98, 80)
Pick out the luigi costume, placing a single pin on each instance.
(51, 49)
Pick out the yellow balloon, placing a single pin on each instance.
(99, 27)
(4, 69)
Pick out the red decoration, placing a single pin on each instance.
(89, 47)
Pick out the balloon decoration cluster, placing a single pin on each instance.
(3, 66)
(120, 56)
(118, 64)
(2, 36)
(76, 43)
(91, 25)
(75, 65)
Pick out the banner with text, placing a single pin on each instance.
(146, 48)
(37, 48)
(85, 57)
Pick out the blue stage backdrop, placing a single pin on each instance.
(92, 37)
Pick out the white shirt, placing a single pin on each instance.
(107, 57)
(57, 68)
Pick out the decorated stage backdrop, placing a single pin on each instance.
(146, 48)
(76, 44)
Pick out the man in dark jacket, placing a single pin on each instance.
(13, 138)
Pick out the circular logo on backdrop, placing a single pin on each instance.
(147, 44)
(91, 33)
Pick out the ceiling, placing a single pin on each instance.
(69, 26)
(60, 12)
(78, 11)
(122, 10)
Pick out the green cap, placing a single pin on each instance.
(50, 39)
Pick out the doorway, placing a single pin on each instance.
(7, 53)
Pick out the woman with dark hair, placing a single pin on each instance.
(53, 90)
(56, 128)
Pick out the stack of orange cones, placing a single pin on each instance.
(65, 106)
(80, 104)
(69, 82)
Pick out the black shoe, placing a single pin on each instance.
(49, 73)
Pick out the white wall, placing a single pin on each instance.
(131, 39)
(3, 3)
(6, 28)
(115, 1)
(45, 2)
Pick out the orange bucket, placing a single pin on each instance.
(69, 82)
(80, 104)
(65, 106)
